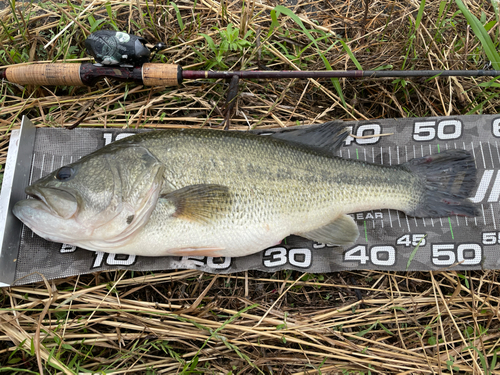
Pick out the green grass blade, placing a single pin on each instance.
(13, 370)
(111, 17)
(351, 55)
(420, 14)
(413, 253)
(178, 15)
(287, 12)
(482, 35)
(210, 42)
(364, 332)
(497, 16)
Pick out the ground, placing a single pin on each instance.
(287, 322)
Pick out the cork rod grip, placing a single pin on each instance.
(45, 74)
(161, 74)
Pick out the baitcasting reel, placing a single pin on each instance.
(119, 49)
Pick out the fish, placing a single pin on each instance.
(185, 192)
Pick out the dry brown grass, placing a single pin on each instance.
(254, 322)
(175, 321)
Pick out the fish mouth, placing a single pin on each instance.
(58, 202)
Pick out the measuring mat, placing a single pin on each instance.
(389, 240)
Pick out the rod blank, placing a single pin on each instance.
(256, 74)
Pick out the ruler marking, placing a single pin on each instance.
(406, 154)
(441, 221)
(397, 153)
(458, 223)
(399, 220)
(484, 216)
(482, 154)
(381, 156)
(473, 153)
(390, 217)
(498, 152)
(52, 165)
(32, 169)
(493, 216)
(373, 154)
(390, 156)
(422, 149)
(491, 155)
(43, 163)
(407, 223)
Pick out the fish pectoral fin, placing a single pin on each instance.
(202, 203)
(342, 231)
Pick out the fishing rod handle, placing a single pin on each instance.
(64, 74)
(161, 74)
(45, 74)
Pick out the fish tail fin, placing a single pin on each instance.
(449, 179)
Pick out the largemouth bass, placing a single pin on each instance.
(214, 193)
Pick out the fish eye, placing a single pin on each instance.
(65, 173)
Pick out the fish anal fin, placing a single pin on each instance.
(340, 232)
(201, 203)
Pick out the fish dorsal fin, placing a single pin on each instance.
(201, 203)
(342, 231)
(326, 137)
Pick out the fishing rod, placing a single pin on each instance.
(125, 57)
